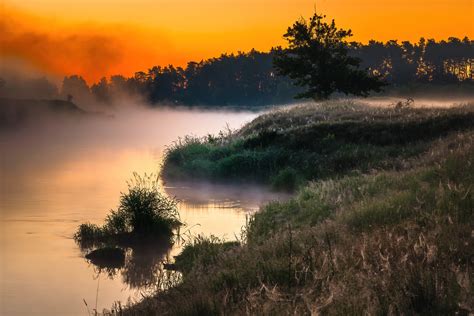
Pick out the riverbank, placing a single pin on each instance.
(287, 148)
(385, 229)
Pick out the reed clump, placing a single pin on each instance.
(143, 213)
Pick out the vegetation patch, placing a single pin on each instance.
(143, 214)
(288, 147)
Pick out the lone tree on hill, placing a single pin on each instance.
(317, 59)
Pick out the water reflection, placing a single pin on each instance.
(219, 209)
(144, 267)
(139, 265)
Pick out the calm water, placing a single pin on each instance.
(56, 176)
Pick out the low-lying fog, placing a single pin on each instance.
(65, 169)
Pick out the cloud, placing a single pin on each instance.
(90, 50)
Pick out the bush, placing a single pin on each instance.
(143, 212)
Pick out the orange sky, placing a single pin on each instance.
(103, 37)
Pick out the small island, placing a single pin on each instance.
(144, 217)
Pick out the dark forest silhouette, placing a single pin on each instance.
(250, 78)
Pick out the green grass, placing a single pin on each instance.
(286, 148)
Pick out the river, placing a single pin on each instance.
(61, 172)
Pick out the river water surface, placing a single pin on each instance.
(61, 172)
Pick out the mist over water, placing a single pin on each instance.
(63, 170)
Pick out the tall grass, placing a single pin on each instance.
(143, 213)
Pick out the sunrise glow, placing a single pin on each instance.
(101, 38)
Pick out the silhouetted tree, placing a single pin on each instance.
(101, 90)
(165, 84)
(77, 87)
(118, 84)
(317, 59)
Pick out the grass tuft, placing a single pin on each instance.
(143, 213)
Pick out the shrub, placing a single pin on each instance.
(143, 212)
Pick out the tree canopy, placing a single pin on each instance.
(318, 59)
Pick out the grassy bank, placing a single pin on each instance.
(315, 141)
(395, 240)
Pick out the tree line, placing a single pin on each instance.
(250, 78)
